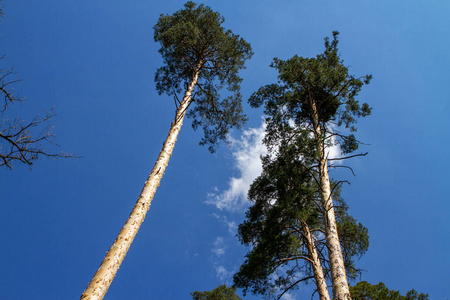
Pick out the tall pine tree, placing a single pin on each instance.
(316, 98)
(201, 57)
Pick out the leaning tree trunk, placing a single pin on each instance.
(338, 274)
(315, 263)
(105, 274)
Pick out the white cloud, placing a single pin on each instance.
(221, 258)
(231, 225)
(334, 151)
(246, 152)
(219, 246)
(287, 297)
(222, 273)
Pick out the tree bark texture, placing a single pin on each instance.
(338, 274)
(315, 263)
(105, 274)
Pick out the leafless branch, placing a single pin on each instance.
(347, 157)
(346, 167)
(292, 285)
(22, 141)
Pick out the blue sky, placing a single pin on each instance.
(95, 61)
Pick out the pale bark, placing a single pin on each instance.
(337, 266)
(316, 264)
(105, 274)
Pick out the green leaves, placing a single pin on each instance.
(194, 41)
(314, 93)
(314, 99)
(222, 292)
(286, 198)
(366, 291)
(283, 197)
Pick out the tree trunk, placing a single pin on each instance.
(315, 263)
(338, 274)
(337, 266)
(105, 274)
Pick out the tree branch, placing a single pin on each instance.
(347, 157)
(294, 284)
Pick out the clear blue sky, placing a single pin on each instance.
(95, 62)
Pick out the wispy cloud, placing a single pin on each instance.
(334, 151)
(287, 297)
(221, 259)
(246, 152)
(223, 274)
(231, 225)
(219, 246)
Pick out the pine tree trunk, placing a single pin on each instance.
(337, 266)
(338, 274)
(105, 274)
(316, 265)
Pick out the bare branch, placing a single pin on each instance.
(22, 141)
(294, 284)
(347, 167)
(347, 157)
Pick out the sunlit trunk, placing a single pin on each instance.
(105, 274)
(316, 264)
(337, 267)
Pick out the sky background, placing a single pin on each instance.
(95, 61)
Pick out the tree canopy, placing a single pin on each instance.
(194, 40)
(311, 108)
(222, 292)
(285, 205)
(366, 291)
(307, 87)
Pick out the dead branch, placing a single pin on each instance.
(347, 157)
(22, 141)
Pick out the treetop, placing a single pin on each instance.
(193, 41)
(315, 92)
